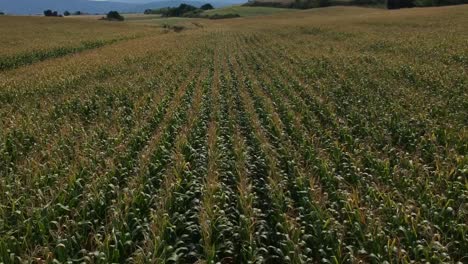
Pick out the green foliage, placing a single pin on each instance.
(193, 13)
(422, 3)
(368, 2)
(66, 13)
(299, 4)
(395, 4)
(223, 16)
(114, 16)
(50, 13)
(179, 11)
(206, 7)
(183, 10)
(390, 4)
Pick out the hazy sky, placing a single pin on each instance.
(128, 1)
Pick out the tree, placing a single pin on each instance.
(406, 3)
(207, 7)
(324, 3)
(77, 13)
(2, 13)
(114, 16)
(396, 4)
(179, 11)
(50, 13)
(66, 13)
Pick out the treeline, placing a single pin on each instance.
(186, 10)
(183, 10)
(76, 13)
(390, 4)
(111, 16)
(306, 4)
(50, 13)
(395, 4)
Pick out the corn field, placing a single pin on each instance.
(336, 135)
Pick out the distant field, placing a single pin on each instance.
(25, 34)
(245, 11)
(334, 135)
(138, 17)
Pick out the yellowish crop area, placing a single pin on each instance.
(28, 34)
(335, 135)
